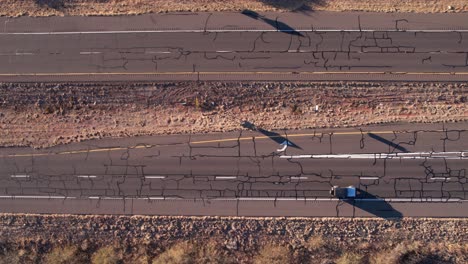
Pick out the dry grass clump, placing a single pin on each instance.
(350, 258)
(181, 253)
(188, 252)
(106, 255)
(418, 253)
(273, 254)
(66, 255)
(316, 243)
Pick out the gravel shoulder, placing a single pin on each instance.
(43, 115)
(15, 8)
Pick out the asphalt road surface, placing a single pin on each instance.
(237, 46)
(400, 170)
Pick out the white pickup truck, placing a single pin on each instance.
(343, 192)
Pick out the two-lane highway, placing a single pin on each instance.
(419, 170)
(246, 46)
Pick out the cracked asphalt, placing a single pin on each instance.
(244, 173)
(246, 46)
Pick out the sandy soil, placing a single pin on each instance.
(122, 7)
(42, 115)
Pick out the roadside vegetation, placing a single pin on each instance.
(191, 252)
(131, 7)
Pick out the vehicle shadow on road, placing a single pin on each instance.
(374, 205)
(272, 135)
(388, 142)
(278, 25)
(294, 5)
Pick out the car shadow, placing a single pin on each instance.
(388, 142)
(278, 138)
(374, 205)
(278, 25)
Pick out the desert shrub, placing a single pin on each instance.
(66, 255)
(409, 253)
(273, 254)
(10, 257)
(315, 243)
(213, 253)
(106, 255)
(181, 253)
(350, 258)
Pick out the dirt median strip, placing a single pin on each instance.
(15, 8)
(44, 115)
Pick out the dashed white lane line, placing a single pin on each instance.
(19, 176)
(224, 51)
(23, 53)
(155, 177)
(87, 176)
(132, 198)
(413, 200)
(17, 54)
(225, 177)
(89, 52)
(157, 52)
(368, 178)
(440, 179)
(299, 178)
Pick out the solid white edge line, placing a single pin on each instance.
(225, 31)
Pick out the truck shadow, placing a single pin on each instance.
(278, 138)
(388, 142)
(278, 25)
(374, 205)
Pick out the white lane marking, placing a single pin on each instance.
(369, 178)
(23, 53)
(238, 199)
(224, 51)
(90, 52)
(225, 31)
(335, 199)
(134, 198)
(35, 197)
(157, 52)
(299, 178)
(413, 155)
(225, 177)
(86, 176)
(19, 176)
(440, 178)
(155, 177)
